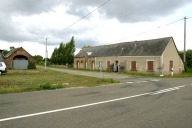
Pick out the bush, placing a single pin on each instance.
(188, 69)
(31, 66)
(48, 86)
(45, 86)
(108, 80)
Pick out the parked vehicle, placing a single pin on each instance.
(3, 68)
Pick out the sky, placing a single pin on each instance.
(27, 23)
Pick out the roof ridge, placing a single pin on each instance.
(151, 47)
(139, 41)
(11, 52)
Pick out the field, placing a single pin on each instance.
(39, 79)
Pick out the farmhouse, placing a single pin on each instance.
(157, 56)
(18, 58)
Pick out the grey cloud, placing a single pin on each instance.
(79, 42)
(12, 32)
(85, 42)
(145, 10)
(65, 36)
(9, 32)
(27, 7)
(131, 10)
(123, 10)
(80, 7)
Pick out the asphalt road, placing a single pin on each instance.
(136, 103)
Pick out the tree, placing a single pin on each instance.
(189, 58)
(70, 50)
(188, 63)
(38, 59)
(64, 54)
(5, 52)
(61, 54)
(54, 56)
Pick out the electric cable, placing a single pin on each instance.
(98, 7)
(153, 29)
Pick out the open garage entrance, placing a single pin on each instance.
(20, 62)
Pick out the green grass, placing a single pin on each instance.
(140, 74)
(39, 79)
(184, 74)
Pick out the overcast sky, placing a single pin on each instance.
(26, 23)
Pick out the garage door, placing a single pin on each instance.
(20, 64)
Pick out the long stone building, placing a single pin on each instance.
(158, 56)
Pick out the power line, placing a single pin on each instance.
(189, 18)
(83, 17)
(153, 29)
(170, 23)
(46, 52)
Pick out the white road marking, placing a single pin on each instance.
(70, 108)
(91, 104)
(155, 80)
(129, 82)
(167, 90)
(144, 81)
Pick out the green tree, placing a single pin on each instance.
(54, 57)
(61, 54)
(189, 58)
(31, 66)
(5, 52)
(64, 54)
(38, 59)
(188, 63)
(70, 50)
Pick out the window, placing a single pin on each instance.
(108, 65)
(93, 65)
(133, 65)
(171, 65)
(86, 65)
(77, 64)
(150, 65)
(100, 64)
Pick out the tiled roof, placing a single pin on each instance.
(11, 52)
(154, 47)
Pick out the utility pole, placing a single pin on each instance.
(184, 54)
(46, 53)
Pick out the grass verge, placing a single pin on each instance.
(182, 75)
(39, 79)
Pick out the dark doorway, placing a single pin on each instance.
(171, 65)
(116, 66)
